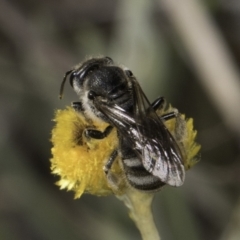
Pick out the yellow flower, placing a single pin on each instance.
(79, 161)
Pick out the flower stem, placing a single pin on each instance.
(139, 204)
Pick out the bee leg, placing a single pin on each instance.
(158, 103)
(96, 134)
(114, 180)
(169, 116)
(77, 106)
(110, 161)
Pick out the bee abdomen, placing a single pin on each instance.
(138, 177)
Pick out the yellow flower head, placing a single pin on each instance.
(79, 161)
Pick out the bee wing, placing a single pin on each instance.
(161, 155)
(149, 137)
(125, 123)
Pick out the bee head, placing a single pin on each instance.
(99, 77)
(78, 75)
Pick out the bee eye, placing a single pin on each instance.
(91, 95)
(129, 73)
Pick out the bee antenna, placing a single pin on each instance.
(63, 83)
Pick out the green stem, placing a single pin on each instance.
(139, 204)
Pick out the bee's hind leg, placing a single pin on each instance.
(114, 180)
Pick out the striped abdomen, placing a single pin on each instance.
(138, 177)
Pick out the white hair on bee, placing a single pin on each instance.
(88, 109)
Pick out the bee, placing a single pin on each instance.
(150, 156)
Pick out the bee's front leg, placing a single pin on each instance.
(96, 134)
(77, 106)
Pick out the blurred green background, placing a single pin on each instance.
(40, 41)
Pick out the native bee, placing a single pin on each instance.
(150, 156)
